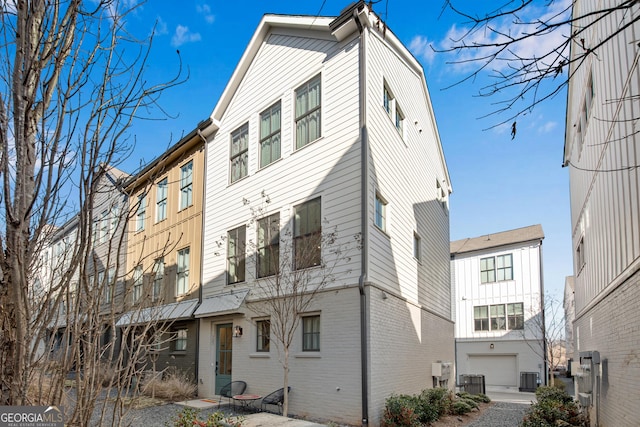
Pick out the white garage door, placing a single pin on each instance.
(498, 370)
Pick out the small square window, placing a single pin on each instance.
(311, 333)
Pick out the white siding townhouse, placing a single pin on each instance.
(601, 152)
(327, 124)
(498, 299)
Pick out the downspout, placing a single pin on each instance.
(364, 219)
(544, 324)
(204, 196)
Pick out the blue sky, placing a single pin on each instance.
(498, 183)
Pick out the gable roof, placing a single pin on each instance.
(337, 28)
(503, 238)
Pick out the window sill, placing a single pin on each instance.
(239, 180)
(261, 168)
(262, 355)
(384, 232)
(315, 141)
(185, 208)
(309, 355)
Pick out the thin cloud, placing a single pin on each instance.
(421, 48)
(547, 127)
(183, 35)
(530, 47)
(161, 27)
(205, 11)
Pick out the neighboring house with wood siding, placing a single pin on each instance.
(601, 153)
(498, 300)
(331, 120)
(164, 253)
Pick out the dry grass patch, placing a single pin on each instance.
(174, 386)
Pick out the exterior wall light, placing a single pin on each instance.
(490, 345)
(237, 331)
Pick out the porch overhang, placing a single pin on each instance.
(161, 313)
(227, 303)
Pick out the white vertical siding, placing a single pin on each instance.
(604, 177)
(525, 288)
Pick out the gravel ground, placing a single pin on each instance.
(154, 416)
(501, 414)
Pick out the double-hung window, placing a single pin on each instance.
(180, 342)
(111, 283)
(236, 241)
(311, 333)
(308, 112)
(515, 316)
(380, 212)
(270, 135)
(186, 185)
(263, 335)
(141, 212)
(268, 245)
(161, 199)
(137, 283)
(498, 318)
(481, 318)
(307, 238)
(158, 279)
(239, 157)
(182, 280)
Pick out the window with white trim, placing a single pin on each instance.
(268, 255)
(186, 185)
(496, 268)
(182, 280)
(270, 135)
(380, 212)
(180, 342)
(239, 156)
(236, 243)
(308, 112)
(263, 329)
(307, 237)
(498, 317)
(137, 283)
(158, 279)
(417, 249)
(161, 199)
(311, 333)
(141, 212)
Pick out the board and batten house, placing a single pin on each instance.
(498, 300)
(327, 124)
(601, 153)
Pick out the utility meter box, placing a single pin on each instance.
(588, 371)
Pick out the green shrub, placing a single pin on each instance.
(552, 393)
(469, 401)
(436, 401)
(554, 408)
(400, 411)
(460, 407)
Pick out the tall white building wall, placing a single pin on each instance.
(602, 155)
